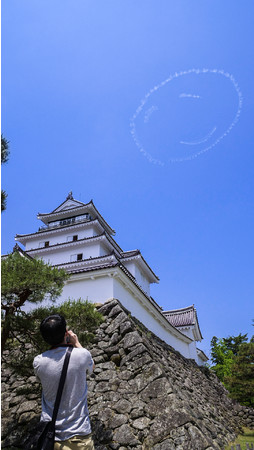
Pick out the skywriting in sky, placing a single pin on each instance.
(186, 115)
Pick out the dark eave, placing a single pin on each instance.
(130, 253)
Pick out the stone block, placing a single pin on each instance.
(107, 307)
(26, 406)
(124, 435)
(115, 311)
(122, 406)
(158, 388)
(117, 420)
(141, 423)
(126, 327)
(168, 444)
(131, 339)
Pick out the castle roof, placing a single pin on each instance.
(184, 317)
(74, 208)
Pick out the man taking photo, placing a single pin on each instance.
(72, 428)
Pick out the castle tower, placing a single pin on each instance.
(77, 238)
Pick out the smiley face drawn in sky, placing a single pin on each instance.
(186, 115)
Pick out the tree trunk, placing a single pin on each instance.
(6, 328)
(9, 314)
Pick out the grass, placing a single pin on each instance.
(242, 439)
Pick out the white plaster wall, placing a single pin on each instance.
(193, 351)
(130, 266)
(96, 290)
(200, 361)
(92, 250)
(140, 278)
(192, 347)
(138, 311)
(103, 250)
(34, 243)
(62, 255)
(61, 236)
(187, 331)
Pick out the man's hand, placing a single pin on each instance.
(73, 339)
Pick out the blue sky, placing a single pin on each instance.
(145, 107)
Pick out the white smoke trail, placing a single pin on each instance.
(143, 102)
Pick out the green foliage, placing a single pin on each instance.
(4, 159)
(26, 279)
(81, 317)
(222, 353)
(3, 200)
(233, 360)
(29, 279)
(233, 343)
(222, 356)
(4, 150)
(226, 345)
(240, 382)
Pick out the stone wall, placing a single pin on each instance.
(142, 395)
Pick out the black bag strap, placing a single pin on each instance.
(61, 385)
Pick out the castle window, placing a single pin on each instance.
(77, 257)
(43, 244)
(72, 238)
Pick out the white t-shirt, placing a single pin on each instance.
(72, 417)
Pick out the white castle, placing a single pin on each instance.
(75, 237)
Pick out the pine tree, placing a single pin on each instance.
(26, 279)
(241, 381)
(4, 159)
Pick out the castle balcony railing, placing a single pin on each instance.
(64, 222)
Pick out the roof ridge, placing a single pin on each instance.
(186, 308)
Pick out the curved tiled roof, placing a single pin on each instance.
(183, 317)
